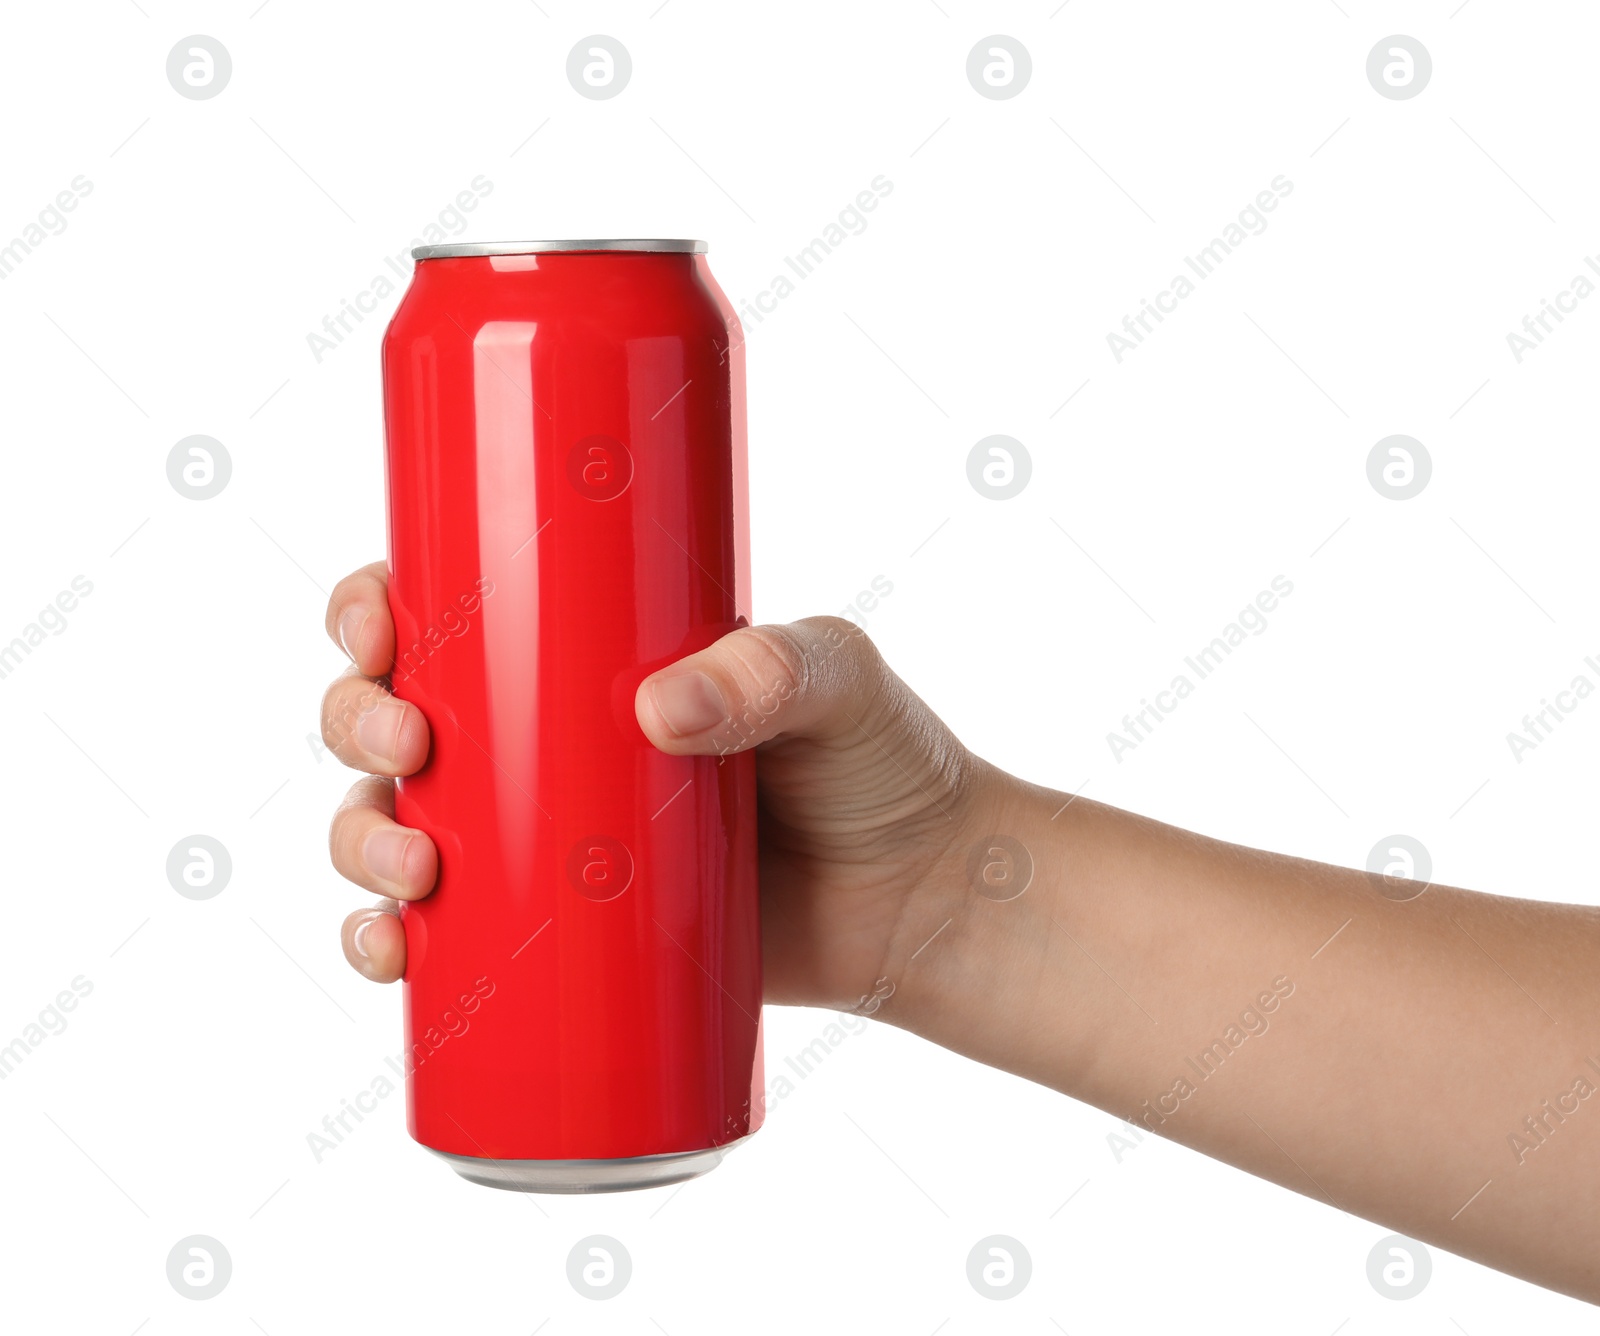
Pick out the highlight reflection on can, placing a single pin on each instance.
(567, 513)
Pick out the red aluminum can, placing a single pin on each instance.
(565, 427)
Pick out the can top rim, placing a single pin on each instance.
(460, 249)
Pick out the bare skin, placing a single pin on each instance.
(1422, 1062)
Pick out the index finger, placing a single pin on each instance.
(359, 622)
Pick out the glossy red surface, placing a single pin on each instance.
(566, 465)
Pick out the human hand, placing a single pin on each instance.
(865, 797)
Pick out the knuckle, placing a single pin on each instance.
(346, 592)
(343, 705)
(840, 631)
(332, 734)
(772, 663)
(775, 664)
(343, 832)
(342, 592)
(842, 648)
(369, 793)
(366, 588)
(368, 804)
(768, 669)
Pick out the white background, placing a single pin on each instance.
(182, 694)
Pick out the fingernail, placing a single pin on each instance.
(378, 730)
(351, 623)
(358, 939)
(385, 852)
(689, 703)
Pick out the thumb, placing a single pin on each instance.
(813, 678)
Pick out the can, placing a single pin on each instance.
(567, 510)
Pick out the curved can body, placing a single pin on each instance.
(567, 503)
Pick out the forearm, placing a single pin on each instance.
(1286, 1017)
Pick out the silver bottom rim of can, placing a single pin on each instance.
(577, 1176)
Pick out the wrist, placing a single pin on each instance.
(970, 949)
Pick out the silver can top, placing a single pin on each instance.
(456, 249)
